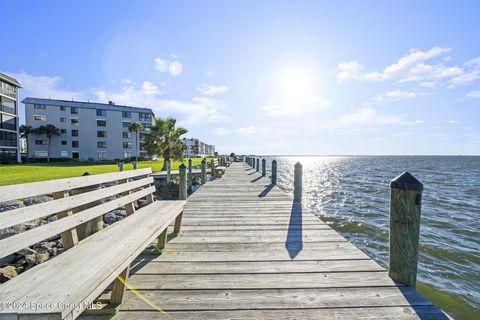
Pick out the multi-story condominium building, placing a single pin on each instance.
(197, 148)
(88, 131)
(9, 140)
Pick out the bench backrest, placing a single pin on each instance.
(76, 201)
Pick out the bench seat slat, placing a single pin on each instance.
(20, 191)
(22, 240)
(24, 214)
(80, 274)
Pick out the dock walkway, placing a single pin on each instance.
(246, 252)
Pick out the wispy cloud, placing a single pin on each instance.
(45, 87)
(297, 106)
(211, 90)
(365, 116)
(260, 131)
(473, 94)
(415, 67)
(396, 95)
(144, 94)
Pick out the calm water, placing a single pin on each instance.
(351, 193)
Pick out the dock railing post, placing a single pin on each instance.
(258, 165)
(297, 183)
(405, 208)
(212, 167)
(190, 175)
(134, 165)
(169, 170)
(274, 172)
(203, 178)
(264, 167)
(182, 186)
(120, 166)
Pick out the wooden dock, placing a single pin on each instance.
(247, 252)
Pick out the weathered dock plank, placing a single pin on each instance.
(247, 252)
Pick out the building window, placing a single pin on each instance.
(126, 114)
(8, 105)
(74, 121)
(39, 106)
(64, 154)
(101, 134)
(127, 134)
(63, 119)
(101, 123)
(41, 154)
(74, 133)
(127, 155)
(63, 131)
(101, 113)
(74, 110)
(127, 145)
(64, 142)
(40, 117)
(41, 142)
(8, 122)
(62, 108)
(75, 144)
(102, 155)
(126, 124)
(146, 117)
(102, 144)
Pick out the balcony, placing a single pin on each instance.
(8, 143)
(8, 93)
(8, 109)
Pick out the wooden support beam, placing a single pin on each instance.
(405, 207)
(119, 287)
(69, 238)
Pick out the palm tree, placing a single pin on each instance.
(136, 127)
(164, 140)
(49, 130)
(25, 132)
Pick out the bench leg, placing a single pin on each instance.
(119, 288)
(178, 223)
(162, 240)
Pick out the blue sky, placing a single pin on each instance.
(265, 77)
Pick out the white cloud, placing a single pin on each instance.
(473, 94)
(175, 68)
(453, 121)
(45, 87)
(211, 90)
(365, 116)
(415, 67)
(222, 131)
(295, 106)
(396, 95)
(195, 110)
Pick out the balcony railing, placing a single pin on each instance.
(8, 109)
(8, 93)
(8, 143)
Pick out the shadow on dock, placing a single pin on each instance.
(294, 243)
(266, 191)
(256, 179)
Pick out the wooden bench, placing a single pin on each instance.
(63, 287)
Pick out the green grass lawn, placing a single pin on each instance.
(30, 172)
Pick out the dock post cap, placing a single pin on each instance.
(182, 166)
(298, 164)
(406, 181)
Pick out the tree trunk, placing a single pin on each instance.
(136, 147)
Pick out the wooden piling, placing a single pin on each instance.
(182, 192)
(203, 176)
(212, 167)
(274, 172)
(264, 168)
(297, 182)
(190, 175)
(405, 208)
(120, 166)
(258, 165)
(134, 165)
